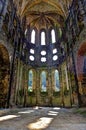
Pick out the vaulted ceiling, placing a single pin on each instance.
(43, 12)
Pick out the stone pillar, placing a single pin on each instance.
(17, 81)
(25, 85)
(62, 86)
(13, 87)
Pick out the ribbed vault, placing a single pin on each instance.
(42, 12)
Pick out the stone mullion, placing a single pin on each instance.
(51, 83)
(50, 86)
(53, 80)
(37, 86)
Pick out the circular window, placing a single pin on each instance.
(32, 51)
(55, 57)
(43, 59)
(54, 51)
(43, 53)
(31, 58)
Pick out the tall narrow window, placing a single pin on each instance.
(57, 85)
(60, 32)
(33, 36)
(53, 38)
(43, 38)
(43, 81)
(25, 32)
(30, 82)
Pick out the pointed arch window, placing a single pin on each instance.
(56, 76)
(53, 37)
(30, 82)
(33, 34)
(43, 81)
(43, 38)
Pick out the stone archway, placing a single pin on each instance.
(4, 75)
(81, 70)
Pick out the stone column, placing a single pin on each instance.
(62, 85)
(13, 88)
(17, 81)
(25, 85)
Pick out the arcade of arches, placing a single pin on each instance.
(42, 53)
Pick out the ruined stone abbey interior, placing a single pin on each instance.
(42, 53)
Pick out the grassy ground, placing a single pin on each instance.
(81, 111)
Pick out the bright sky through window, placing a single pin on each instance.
(43, 53)
(30, 83)
(43, 38)
(57, 86)
(55, 57)
(53, 36)
(33, 37)
(25, 32)
(43, 59)
(31, 51)
(31, 58)
(54, 51)
(43, 80)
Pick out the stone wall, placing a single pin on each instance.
(6, 51)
